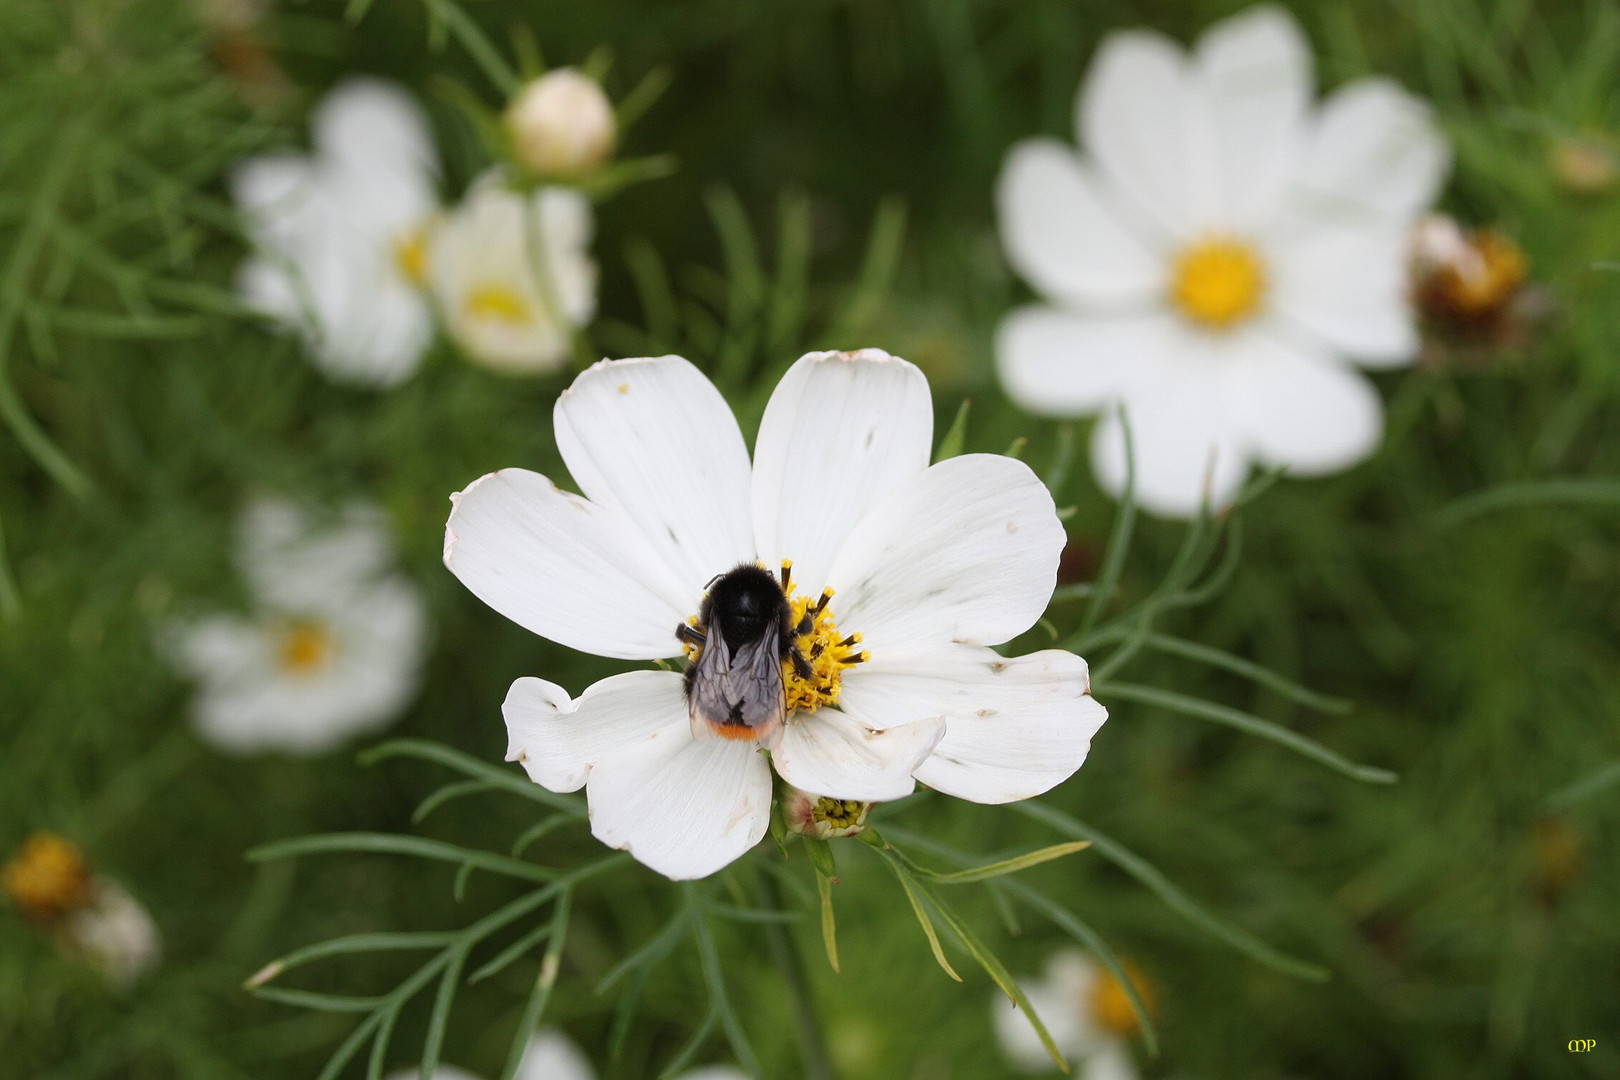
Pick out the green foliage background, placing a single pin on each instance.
(1477, 640)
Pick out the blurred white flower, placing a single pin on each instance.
(561, 125)
(332, 648)
(512, 276)
(91, 917)
(1218, 260)
(341, 234)
(1086, 1012)
(931, 565)
(551, 1055)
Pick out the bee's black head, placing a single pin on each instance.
(746, 604)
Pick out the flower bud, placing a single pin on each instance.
(561, 125)
(1587, 165)
(824, 818)
(91, 917)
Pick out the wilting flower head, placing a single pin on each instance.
(332, 647)
(512, 276)
(561, 125)
(899, 577)
(1218, 260)
(551, 1055)
(1085, 1010)
(821, 817)
(90, 916)
(1472, 287)
(341, 234)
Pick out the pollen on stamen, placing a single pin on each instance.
(828, 653)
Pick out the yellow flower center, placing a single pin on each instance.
(500, 302)
(1218, 282)
(1111, 1005)
(411, 255)
(827, 653)
(47, 878)
(305, 648)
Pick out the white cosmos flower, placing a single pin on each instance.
(1218, 260)
(931, 565)
(333, 645)
(1086, 1012)
(341, 234)
(551, 1055)
(512, 276)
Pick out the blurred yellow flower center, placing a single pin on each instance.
(47, 878)
(500, 302)
(305, 648)
(1485, 282)
(1111, 1005)
(1218, 282)
(411, 255)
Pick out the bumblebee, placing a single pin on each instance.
(745, 633)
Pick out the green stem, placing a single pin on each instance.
(801, 1004)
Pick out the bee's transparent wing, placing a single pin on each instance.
(739, 693)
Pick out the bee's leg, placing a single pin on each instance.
(806, 624)
(800, 664)
(691, 635)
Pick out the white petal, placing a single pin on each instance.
(829, 753)
(1058, 1010)
(1014, 728)
(1376, 157)
(1349, 288)
(270, 186)
(564, 567)
(557, 740)
(295, 561)
(1143, 118)
(1256, 69)
(551, 1055)
(967, 551)
(714, 1072)
(1061, 363)
(1186, 443)
(684, 808)
(370, 124)
(1063, 237)
(1301, 407)
(655, 440)
(1112, 1061)
(841, 431)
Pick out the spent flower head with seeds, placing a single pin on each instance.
(512, 276)
(341, 234)
(332, 647)
(873, 586)
(1219, 261)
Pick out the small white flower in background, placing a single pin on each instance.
(333, 645)
(341, 234)
(92, 917)
(1219, 259)
(905, 574)
(512, 276)
(821, 817)
(551, 1055)
(561, 125)
(1087, 1013)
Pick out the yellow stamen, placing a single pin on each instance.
(499, 302)
(827, 651)
(305, 648)
(839, 813)
(411, 256)
(47, 878)
(1111, 1005)
(1218, 282)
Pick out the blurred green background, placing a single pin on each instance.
(1467, 914)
